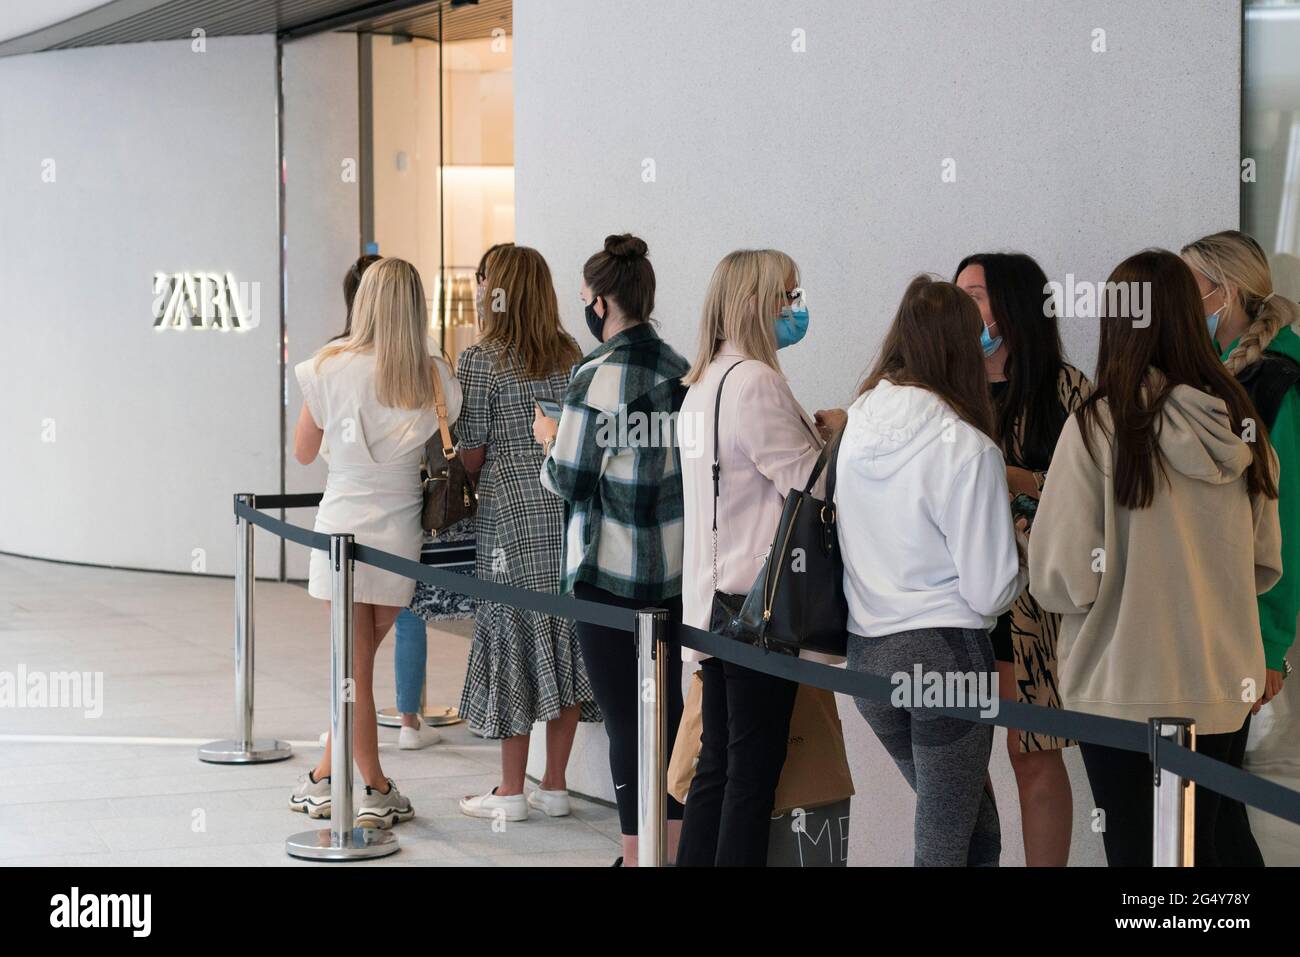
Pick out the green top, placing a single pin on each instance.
(1279, 606)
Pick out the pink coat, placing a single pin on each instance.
(768, 445)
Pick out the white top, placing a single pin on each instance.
(924, 517)
(373, 486)
(767, 447)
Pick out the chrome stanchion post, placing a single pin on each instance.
(244, 748)
(342, 840)
(652, 735)
(1174, 811)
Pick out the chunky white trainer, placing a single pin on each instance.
(383, 810)
(510, 807)
(312, 797)
(413, 739)
(550, 803)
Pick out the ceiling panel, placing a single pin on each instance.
(136, 21)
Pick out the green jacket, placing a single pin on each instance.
(1279, 606)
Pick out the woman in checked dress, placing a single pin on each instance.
(524, 666)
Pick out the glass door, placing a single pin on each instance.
(439, 113)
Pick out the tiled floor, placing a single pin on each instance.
(125, 788)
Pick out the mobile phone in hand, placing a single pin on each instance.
(1026, 507)
(549, 407)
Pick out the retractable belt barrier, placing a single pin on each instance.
(1169, 756)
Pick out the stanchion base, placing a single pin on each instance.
(260, 751)
(434, 716)
(361, 843)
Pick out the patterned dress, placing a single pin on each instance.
(1033, 630)
(523, 666)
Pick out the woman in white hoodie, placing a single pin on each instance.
(930, 561)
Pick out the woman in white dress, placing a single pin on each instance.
(370, 399)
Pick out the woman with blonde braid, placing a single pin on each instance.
(1256, 333)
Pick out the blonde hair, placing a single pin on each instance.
(521, 314)
(744, 298)
(390, 320)
(1233, 259)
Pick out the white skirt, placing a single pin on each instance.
(383, 520)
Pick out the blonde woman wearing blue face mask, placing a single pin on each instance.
(765, 445)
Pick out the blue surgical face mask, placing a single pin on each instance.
(1212, 321)
(990, 344)
(792, 325)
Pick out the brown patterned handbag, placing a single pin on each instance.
(447, 490)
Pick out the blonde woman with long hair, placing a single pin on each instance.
(766, 445)
(524, 666)
(1256, 332)
(369, 397)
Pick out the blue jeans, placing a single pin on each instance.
(409, 661)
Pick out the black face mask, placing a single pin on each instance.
(594, 322)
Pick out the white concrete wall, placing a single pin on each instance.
(322, 222)
(835, 155)
(164, 158)
(118, 162)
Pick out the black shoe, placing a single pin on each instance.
(618, 862)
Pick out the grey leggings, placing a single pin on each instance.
(944, 759)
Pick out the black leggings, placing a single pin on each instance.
(1121, 784)
(610, 657)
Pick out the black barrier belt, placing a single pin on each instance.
(1094, 729)
(1111, 732)
(561, 606)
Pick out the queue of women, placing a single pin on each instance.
(1127, 546)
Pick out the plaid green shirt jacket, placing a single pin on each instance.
(616, 464)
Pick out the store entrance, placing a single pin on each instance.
(437, 124)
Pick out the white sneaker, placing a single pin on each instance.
(383, 810)
(512, 807)
(312, 797)
(550, 803)
(413, 739)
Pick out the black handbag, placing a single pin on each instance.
(797, 601)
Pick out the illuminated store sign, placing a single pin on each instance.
(204, 300)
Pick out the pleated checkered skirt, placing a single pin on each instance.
(524, 667)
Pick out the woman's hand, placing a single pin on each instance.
(1021, 482)
(830, 421)
(544, 429)
(1272, 685)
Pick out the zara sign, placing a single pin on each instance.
(205, 300)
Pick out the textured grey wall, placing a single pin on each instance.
(163, 160)
(835, 154)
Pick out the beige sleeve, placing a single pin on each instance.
(1067, 540)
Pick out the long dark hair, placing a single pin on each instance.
(933, 344)
(1025, 314)
(1171, 339)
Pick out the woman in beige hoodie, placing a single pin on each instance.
(1156, 530)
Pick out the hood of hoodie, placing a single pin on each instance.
(892, 424)
(1197, 439)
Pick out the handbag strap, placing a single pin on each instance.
(830, 453)
(717, 468)
(440, 404)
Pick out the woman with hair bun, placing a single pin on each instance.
(623, 488)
